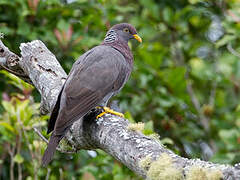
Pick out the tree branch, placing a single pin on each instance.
(10, 62)
(109, 133)
(45, 72)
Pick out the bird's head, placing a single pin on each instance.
(126, 32)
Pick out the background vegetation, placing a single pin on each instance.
(185, 84)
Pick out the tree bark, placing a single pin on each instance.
(38, 66)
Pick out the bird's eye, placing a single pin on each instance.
(126, 30)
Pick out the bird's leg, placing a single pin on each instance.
(108, 110)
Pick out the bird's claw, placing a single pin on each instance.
(110, 111)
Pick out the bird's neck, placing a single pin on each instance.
(110, 37)
(113, 40)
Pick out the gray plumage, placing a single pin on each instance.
(96, 76)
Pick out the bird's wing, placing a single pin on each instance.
(101, 72)
(55, 111)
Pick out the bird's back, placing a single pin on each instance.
(97, 72)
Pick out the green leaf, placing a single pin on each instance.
(128, 115)
(7, 126)
(168, 15)
(18, 159)
(194, 1)
(225, 40)
(175, 79)
(230, 138)
(17, 82)
(148, 128)
(9, 107)
(167, 141)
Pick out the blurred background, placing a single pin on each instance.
(185, 85)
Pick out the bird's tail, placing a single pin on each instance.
(49, 152)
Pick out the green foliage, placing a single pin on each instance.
(187, 43)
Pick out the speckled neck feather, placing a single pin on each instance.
(112, 39)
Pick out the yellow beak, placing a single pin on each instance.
(138, 38)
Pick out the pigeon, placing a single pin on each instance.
(95, 77)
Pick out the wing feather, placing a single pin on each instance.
(92, 77)
(54, 114)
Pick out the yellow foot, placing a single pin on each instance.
(110, 111)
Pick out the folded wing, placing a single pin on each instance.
(93, 76)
